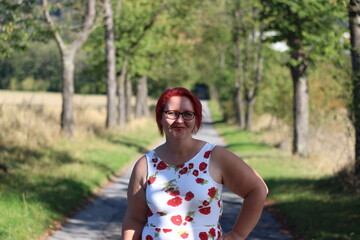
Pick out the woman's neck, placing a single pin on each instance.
(177, 151)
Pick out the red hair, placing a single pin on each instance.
(182, 92)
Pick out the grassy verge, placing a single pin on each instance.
(42, 184)
(314, 205)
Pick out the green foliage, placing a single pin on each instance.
(42, 63)
(17, 21)
(319, 26)
(30, 84)
(39, 62)
(275, 91)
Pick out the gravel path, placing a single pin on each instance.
(102, 219)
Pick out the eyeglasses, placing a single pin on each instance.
(173, 115)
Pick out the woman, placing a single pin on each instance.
(175, 190)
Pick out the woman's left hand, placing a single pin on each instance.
(231, 236)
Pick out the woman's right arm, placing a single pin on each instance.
(137, 210)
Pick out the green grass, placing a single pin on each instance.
(43, 185)
(313, 205)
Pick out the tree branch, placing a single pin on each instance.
(51, 23)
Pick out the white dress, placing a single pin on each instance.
(184, 201)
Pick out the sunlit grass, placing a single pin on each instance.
(49, 176)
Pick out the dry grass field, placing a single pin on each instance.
(48, 99)
(32, 119)
(331, 143)
(44, 175)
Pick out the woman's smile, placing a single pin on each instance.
(178, 128)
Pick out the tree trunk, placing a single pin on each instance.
(121, 96)
(110, 65)
(300, 109)
(354, 20)
(67, 118)
(128, 98)
(238, 98)
(141, 98)
(68, 53)
(251, 92)
(250, 102)
(213, 93)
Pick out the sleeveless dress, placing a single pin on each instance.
(184, 201)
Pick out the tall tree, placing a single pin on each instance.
(354, 20)
(310, 30)
(237, 13)
(135, 22)
(69, 45)
(142, 109)
(250, 35)
(110, 65)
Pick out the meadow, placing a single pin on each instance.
(313, 198)
(44, 176)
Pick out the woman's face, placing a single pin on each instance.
(178, 127)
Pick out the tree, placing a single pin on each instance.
(69, 44)
(354, 12)
(110, 65)
(239, 81)
(248, 35)
(310, 30)
(136, 20)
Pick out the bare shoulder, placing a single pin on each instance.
(139, 172)
(223, 157)
(235, 173)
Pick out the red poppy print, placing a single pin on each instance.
(207, 154)
(203, 236)
(202, 166)
(161, 166)
(180, 166)
(184, 170)
(196, 173)
(174, 202)
(200, 180)
(151, 180)
(188, 218)
(150, 213)
(205, 211)
(157, 229)
(154, 160)
(177, 220)
(219, 203)
(148, 237)
(212, 192)
(191, 165)
(206, 203)
(212, 232)
(184, 235)
(166, 230)
(189, 196)
(175, 193)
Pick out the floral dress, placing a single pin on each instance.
(184, 201)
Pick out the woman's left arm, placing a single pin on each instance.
(242, 180)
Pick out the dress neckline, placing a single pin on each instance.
(191, 159)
